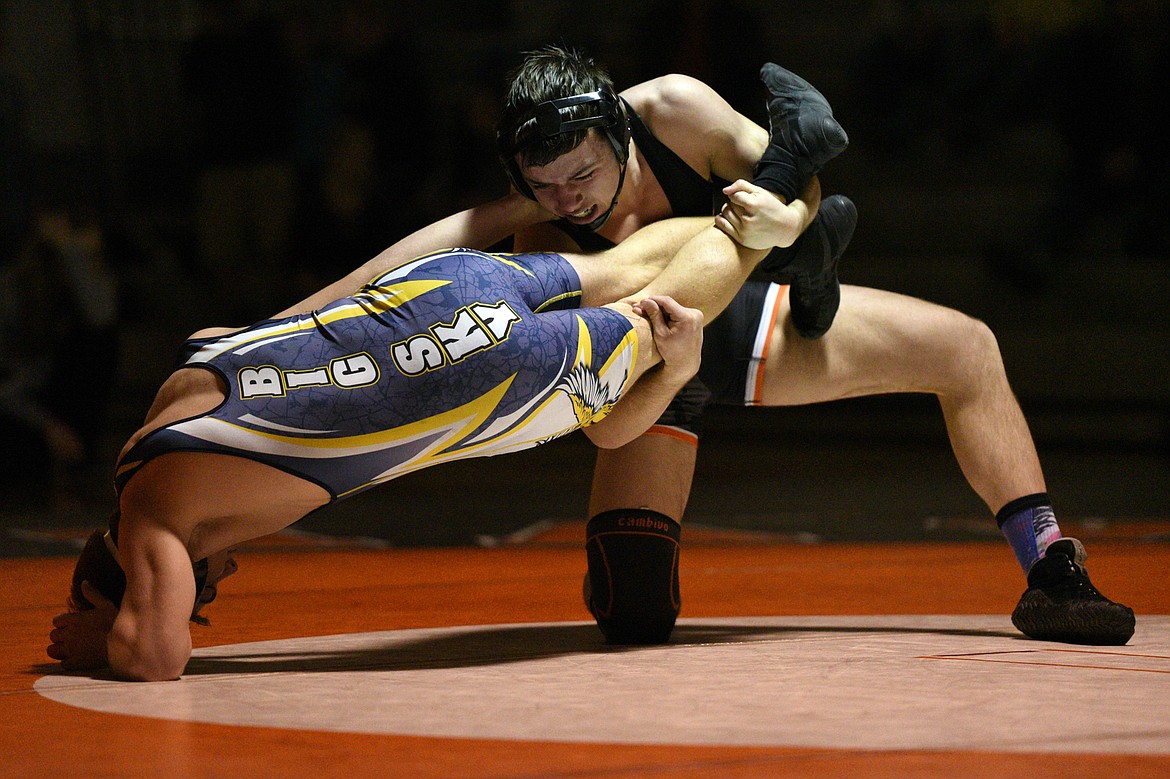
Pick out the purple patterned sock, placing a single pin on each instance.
(1029, 525)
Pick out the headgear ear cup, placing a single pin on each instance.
(601, 108)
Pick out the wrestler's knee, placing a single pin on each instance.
(632, 585)
(956, 350)
(975, 350)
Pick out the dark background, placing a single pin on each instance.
(1006, 160)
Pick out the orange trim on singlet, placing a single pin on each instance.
(675, 432)
(758, 390)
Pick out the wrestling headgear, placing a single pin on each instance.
(600, 108)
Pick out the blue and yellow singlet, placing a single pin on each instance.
(454, 355)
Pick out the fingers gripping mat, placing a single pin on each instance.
(865, 682)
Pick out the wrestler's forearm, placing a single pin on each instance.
(639, 408)
(151, 638)
(670, 346)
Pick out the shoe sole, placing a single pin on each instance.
(837, 225)
(844, 213)
(824, 131)
(1093, 622)
(782, 81)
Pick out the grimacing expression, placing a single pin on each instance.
(579, 185)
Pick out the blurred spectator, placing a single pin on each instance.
(241, 85)
(365, 189)
(58, 345)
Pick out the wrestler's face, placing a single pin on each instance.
(219, 566)
(579, 185)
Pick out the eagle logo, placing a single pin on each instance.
(592, 400)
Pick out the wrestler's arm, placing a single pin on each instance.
(151, 639)
(669, 333)
(475, 228)
(716, 140)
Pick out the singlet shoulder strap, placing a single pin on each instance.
(688, 192)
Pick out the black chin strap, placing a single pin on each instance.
(600, 221)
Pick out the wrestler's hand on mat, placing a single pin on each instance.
(678, 332)
(79, 637)
(756, 218)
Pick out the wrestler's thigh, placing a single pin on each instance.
(653, 471)
(216, 501)
(880, 342)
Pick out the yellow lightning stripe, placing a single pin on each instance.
(563, 296)
(584, 345)
(630, 339)
(371, 301)
(472, 414)
(557, 299)
(475, 412)
(504, 259)
(468, 451)
(380, 299)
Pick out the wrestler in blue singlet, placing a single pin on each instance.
(456, 354)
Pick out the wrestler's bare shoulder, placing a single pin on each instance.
(671, 98)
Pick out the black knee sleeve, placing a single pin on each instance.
(632, 584)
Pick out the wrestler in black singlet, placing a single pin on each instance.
(729, 340)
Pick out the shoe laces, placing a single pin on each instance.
(1062, 577)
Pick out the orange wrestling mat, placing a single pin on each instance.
(869, 660)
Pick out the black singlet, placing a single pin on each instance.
(729, 340)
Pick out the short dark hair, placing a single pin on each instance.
(549, 73)
(98, 566)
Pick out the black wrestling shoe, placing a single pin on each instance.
(809, 266)
(800, 118)
(1061, 604)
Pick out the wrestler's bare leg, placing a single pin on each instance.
(654, 471)
(892, 343)
(883, 342)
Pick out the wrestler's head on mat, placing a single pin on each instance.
(99, 576)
